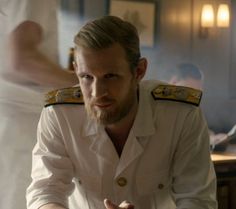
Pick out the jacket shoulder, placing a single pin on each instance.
(71, 95)
(177, 93)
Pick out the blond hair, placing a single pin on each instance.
(103, 32)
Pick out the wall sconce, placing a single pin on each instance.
(223, 15)
(208, 18)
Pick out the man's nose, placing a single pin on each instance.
(99, 88)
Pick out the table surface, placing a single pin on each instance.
(228, 156)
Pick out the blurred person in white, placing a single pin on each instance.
(188, 74)
(28, 57)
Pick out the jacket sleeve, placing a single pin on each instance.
(52, 170)
(194, 181)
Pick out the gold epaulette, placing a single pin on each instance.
(72, 95)
(177, 93)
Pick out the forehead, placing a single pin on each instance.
(113, 57)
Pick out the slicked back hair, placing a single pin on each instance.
(104, 32)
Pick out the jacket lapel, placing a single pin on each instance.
(138, 137)
(102, 146)
(100, 143)
(132, 150)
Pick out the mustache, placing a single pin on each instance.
(101, 100)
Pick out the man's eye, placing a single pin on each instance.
(110, 76)
(87, 77)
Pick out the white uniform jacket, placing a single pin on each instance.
(165, 163)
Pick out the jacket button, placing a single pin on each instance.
(160, 186)
(121, 181)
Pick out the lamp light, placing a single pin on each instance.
(207, 16)
(223, 15)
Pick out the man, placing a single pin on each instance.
(128, 146)
(189, 75)
(28, 69)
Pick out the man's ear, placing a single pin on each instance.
(141, 69)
